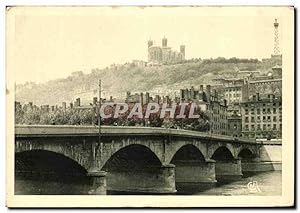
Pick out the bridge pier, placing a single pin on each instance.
(154, 180)
(195, 175)
(228, 171)
(97, 182)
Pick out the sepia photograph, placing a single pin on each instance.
(162, 106)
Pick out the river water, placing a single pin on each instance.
(265, 183)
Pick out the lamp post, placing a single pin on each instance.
(99, 116)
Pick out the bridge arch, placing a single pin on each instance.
(245, 154)
(187, 152)
(46, 172)
(47, 160)
(71, 152)
(133, 157)
(223, 154)
(174, 147)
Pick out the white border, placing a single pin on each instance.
(95, 2)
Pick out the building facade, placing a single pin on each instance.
(209, 101)
(164, 54)
(262, 117)
(234, 90)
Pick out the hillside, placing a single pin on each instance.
(128, 77)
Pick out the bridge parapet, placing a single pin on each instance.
(72, 130)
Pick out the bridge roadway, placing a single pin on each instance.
(139, 159)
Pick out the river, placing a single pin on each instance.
(265, 183)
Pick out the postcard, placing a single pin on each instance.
(170, 106)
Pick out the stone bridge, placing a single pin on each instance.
(137, 159)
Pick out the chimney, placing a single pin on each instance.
(147, 98)
(215, 94)
(208, 92)
(192, 91)
(201, 88)
(186, 95)
(167, 99)
(157, 98)
(77, 102)
(208, 88)
(95, 99)
(64, 106)
(181, 94)
(141, 98)
(225, 102)
(127, 94)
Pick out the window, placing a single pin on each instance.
(247, 119)
(258, 111)
(258, 118)
(258, 126)
(274, 110)
(274, 126)
(264, 110)
(246, 111)
(246, 126)
(264, 127)
(264, 118)
(269, 110)
(269, 118)
(274, 118)
(252, 127)
(252, 119)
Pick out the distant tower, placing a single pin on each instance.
(276, 38)
(150, 43)
(182, 51)
(164, 42)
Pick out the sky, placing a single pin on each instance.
(52, 43)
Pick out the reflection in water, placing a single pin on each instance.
(267, 183)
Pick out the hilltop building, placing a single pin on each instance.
(164, 54)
